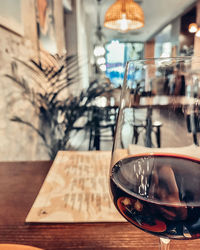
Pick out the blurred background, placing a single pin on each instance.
(60, 59)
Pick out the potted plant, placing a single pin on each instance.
(45, 89)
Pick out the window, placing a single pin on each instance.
(117, 54)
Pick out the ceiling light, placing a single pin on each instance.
(101, 60)
(124, 15)
(102, 67)
(99, 50)
(193, 28)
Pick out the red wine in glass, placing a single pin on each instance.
(159, 193)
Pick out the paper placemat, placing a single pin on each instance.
(76, 190)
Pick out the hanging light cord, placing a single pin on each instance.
(99, 28)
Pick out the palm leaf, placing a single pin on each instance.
(18, 119)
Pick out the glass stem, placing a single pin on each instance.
(164, 244)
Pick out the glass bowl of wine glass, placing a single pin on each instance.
(155, 164)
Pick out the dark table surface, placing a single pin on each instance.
(19, 186)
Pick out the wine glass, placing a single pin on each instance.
(155, 165)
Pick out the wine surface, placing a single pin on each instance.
(159, 193)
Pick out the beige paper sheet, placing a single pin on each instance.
(76, 190)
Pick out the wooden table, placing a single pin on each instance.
(19, 186)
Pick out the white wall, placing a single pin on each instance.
(19, 142)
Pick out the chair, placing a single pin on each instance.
(102, 125)
(193, 126)
(148, 126)
(155, 127)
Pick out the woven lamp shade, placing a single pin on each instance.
(124, 15)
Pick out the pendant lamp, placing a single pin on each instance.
(124, 15)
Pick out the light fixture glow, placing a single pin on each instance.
(124, 15)
(101, 60)
(123, 23)
(99, 50)
(193, 28)
(102, 67)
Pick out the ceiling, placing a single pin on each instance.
(157, 13)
